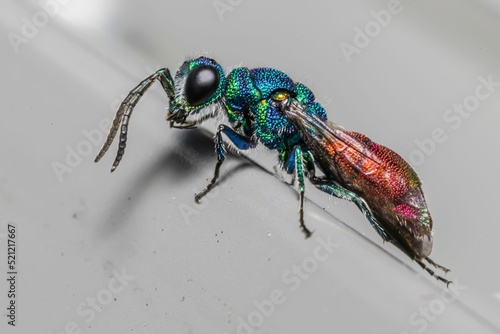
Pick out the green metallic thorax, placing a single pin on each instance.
(250, 111)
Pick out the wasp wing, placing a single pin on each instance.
(341, 154)
(378, 175)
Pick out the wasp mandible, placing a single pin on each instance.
(264, 105)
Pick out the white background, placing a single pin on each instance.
(203, 268)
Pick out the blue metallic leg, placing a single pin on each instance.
(239, 141)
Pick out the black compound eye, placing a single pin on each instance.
(201, 84)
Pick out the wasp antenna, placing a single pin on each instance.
(111, 133)
(122, 117)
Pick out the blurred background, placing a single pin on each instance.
(132, 252)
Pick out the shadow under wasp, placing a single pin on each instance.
(264, 105)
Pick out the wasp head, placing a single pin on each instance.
(196, 92)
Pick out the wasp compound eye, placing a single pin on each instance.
(201, 84)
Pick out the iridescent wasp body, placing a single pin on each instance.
(264, 105)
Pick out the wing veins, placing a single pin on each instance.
(328, 134)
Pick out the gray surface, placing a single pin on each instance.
(199, 269)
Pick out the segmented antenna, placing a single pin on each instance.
(122, 118)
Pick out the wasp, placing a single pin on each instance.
(265, 106)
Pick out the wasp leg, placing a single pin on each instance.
(436, 265)
(332, 188)
(241, 143)
(301, 166)
(123, 114)
(431, 272)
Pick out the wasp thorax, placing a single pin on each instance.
(201, 84)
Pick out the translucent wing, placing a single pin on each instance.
(335, 147)
(375, 173)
